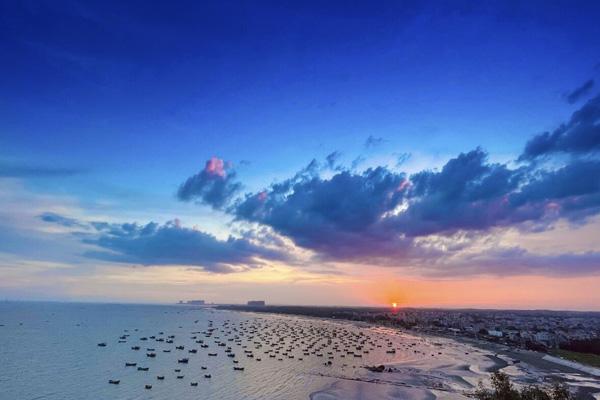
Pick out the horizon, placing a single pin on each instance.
(433, 155)
(340, 306)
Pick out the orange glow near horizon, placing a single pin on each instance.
(519, 292)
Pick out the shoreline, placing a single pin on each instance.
(534, 358)
(531, 366)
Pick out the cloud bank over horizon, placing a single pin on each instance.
(433, 222)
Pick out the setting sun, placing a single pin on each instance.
(394, 305)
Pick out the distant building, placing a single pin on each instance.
(494, 333)
(256, 303)
(196, 302)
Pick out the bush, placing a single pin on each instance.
(504, 390)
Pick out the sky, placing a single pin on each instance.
(432, 154)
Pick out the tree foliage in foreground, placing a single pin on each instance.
(503, 389)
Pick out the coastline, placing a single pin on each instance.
(525, 366)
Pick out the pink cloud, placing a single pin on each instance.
(215, 167)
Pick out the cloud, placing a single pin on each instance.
(10, 170)
(467, 194)
(215, 185)
(518, 261)
(332, 160)
(357, 162)
(385, 218)
(60, 220)
(402, 158)
(580, 135)
(373, 141)
(580, 92)
(171, 244)
(335, 217)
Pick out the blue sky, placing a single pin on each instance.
(110, 107)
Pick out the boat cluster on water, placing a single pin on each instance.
(252, 340)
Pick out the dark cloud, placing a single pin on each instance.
(373, 141)
(10, 170)
(215, 185)
(381, 216)
(580, 135)
(357, 161)
(171, 244)
(467, 194)
(60, 220)
(569, 191)
(402, 158)
(580, 92)
(332, 159)
(332, 216)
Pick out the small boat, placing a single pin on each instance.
(143, 368)
(193, 351)
(207, 375)
(166, 351)
(193, 383)
(212, 354)
(177, 370)
(202, 367)
(135, 347)
(183, 361)
(151, 355)
(160, 377)
(114, 381)
(102, 344)
(129, 364)
(179, 376)
(238, 368)
(148, 386)
(149, 349)
(179, 347)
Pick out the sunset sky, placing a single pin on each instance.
(424, 153)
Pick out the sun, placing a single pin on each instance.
(394, 305)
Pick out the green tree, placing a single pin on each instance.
(503, 389)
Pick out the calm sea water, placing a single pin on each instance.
(49, 351)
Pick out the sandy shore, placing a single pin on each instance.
(456, 372)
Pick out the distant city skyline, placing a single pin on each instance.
(425, 154)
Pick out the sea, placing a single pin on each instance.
(50, 351)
